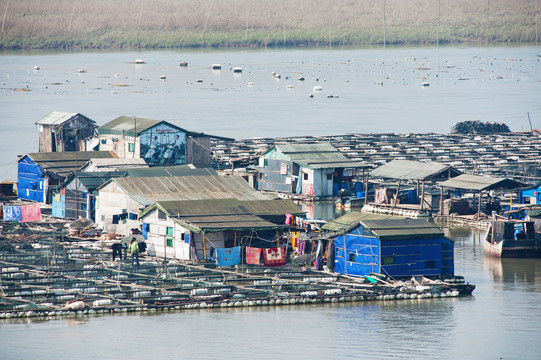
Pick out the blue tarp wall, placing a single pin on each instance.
(30, 181)
(358, 253)
(404, 258)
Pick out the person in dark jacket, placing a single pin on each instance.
(117, 251)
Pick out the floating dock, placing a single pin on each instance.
(48, 275)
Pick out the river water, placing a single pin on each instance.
(500, 320)
(496, 84)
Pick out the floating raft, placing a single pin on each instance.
(54, 279)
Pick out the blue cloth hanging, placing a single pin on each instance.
(228, 256)
(12, 213)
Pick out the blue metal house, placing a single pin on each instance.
(38, 172)
(397, 247)
(531, 195)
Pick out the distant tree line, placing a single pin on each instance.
(478, 127)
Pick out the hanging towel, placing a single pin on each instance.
(302, 247)
(30, 213)
(289, 219)
(253, 255)
(12, 213)
(228, 256)
(144, 231)
(294, 240)
(274, 256)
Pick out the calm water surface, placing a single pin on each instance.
(500, 321)
(492, 84)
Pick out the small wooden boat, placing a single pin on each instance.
(511, 239)
(216, 67)
(237, 69)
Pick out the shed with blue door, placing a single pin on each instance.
(530, 195)
(394, 246)
(37, 173)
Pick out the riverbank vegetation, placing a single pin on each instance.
(233, 23)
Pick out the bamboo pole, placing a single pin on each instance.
(277, 238)
(204, 247)
(479, 206)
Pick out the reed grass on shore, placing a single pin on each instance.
(216, 23)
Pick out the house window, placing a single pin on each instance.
(431, 264)
(104, 141)
(388, 260)
(305, 176)
(329, 176)
(265, 162)
(169, 242)
(131, 147)
(351, 257)
(261, 176)
(169, 231)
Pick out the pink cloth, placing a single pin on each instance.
(289, 219)
(253, 255)
(30, 213)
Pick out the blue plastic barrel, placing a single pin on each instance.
(412, 196)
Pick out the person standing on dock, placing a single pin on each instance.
(134, 249)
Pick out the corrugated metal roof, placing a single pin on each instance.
(318, 156)
(401, 228)
(225, 222)
(412, 170)
(272, 207)
(479, 183)
(119, 162)
(178, 170)
(350, 220)
(213, 215)
(125, 125)
(152, 189)
(93, 180)
(58, 118)
(203, 207)
(64, 163)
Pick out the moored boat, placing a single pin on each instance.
(511, 239)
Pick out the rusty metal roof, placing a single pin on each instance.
(413, 170)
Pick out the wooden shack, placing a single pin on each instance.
(62, 131)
